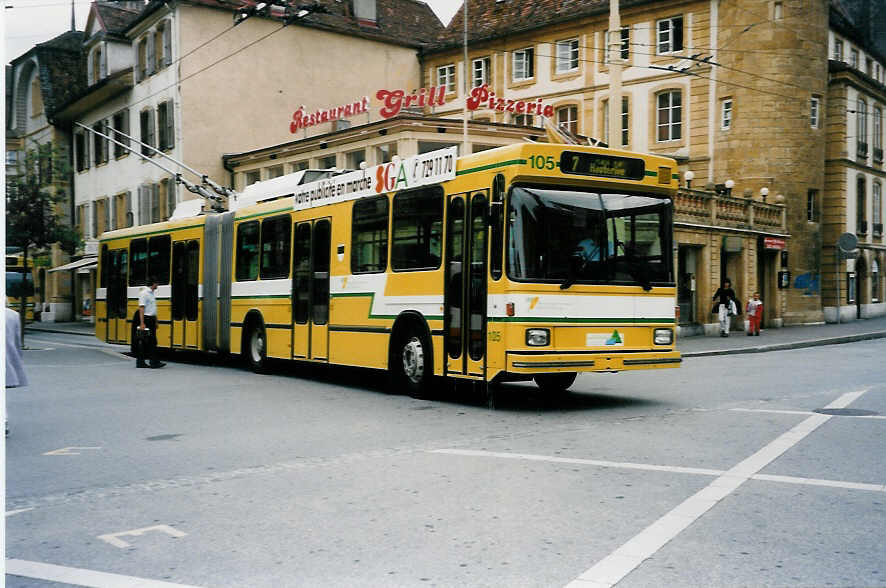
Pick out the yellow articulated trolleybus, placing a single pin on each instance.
(529, 261)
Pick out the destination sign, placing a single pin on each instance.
(607, 166)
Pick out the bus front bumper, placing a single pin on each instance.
(534, 363)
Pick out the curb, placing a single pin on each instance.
(62, 331)
(792, 345)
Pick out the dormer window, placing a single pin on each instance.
(97, 65)
(365, 12)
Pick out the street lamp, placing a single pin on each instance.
(689, 176)
(764, 192)
(729, 185)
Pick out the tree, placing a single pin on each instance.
(34, 207)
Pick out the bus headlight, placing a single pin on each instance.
(663, 336)
(538, 337)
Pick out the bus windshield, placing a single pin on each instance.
(19, 283)
(588, 237)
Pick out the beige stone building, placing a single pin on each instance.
(740, 93)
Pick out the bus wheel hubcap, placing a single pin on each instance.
(414, 360)
(258, 346)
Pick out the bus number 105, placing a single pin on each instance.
(542, 162)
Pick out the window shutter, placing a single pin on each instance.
(107, 213)
(170, 197)
(103, 63)
(94, 207)
(128, 209)
(144, 205)
(170, 126)
(155, 203)
(167, 43)
(151, 62)
(112, 213)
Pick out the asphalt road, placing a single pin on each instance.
(719, 473)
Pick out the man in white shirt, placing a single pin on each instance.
(147, 329)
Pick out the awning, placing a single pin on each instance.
(87, 263)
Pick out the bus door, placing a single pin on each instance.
(465, 288)
(185, 293)
(116, 296)
(310, 290)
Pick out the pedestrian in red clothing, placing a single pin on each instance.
(755, 314)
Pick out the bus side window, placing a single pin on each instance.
(417, 241)
(247, 251)
(275, 244)
(138, 261)
(103, 275)
(158, 258)
(369, 235)
(496, 220)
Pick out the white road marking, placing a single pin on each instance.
(9, 513)
(663, 468)
(69, 450)
(110, 352)
(621, 562)
(81, 577)
(817, 482)
(592, 462)
(114, 538)
(804, 412)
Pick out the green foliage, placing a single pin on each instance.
(35, 199)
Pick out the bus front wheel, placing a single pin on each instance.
(555, 383)
(256, 349)
(411, 365)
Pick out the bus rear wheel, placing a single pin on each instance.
(555, 383)
(256, 349)
(411, 366)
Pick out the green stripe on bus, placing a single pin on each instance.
(545, 319)
(491, 166)
(149, 233)
(266, 213)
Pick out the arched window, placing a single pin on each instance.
(36, 96)
(861, 205)
(861, 128)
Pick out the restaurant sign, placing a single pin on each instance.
(421, 170)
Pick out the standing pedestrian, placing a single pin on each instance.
(726, 304)
(147, 329)
(755, 314)
(15, 367)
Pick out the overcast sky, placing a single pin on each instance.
(29, 22)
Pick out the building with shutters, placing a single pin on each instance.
(181, 78)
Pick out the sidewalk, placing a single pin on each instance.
(737, 342)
